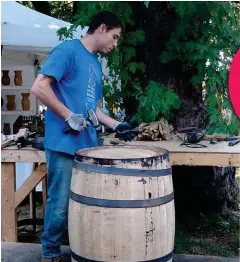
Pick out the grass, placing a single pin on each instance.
(210, 236)
(214, 237)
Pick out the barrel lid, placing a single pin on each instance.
(127, 153)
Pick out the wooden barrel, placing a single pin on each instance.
(121, 205)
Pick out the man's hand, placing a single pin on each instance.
(77, 122)
(123, 131)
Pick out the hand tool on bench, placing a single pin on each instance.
(186, 129)
(215, 138)
(234, 142)
(220, 137)
(92, 118)
(118, 142)
(20, 139)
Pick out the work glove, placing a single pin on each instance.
(123, 131)
(77, 122)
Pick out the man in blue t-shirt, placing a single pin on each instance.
(69, 84)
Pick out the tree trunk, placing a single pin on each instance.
(205, 190)
(191, 113)
(225, 189)
(75, 8)
(42, 7)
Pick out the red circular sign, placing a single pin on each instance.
(234, 83)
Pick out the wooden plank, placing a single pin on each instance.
(31, 182)
(214, 155)
(6, 143)
(9, 217)
(23, 155)
(205, 159)
(177, 158)
(174, 145)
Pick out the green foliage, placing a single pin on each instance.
(204, 37)
(66, 33)
(154, 101)
(203, 30)
(124, 69)
(58, 9)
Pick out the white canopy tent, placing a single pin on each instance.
(24, 29)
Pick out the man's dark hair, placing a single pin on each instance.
(108, 18)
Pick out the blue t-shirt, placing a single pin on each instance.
(78, 87)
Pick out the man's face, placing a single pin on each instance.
(108, 39)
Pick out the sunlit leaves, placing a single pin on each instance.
(214, 27)
(201, 31)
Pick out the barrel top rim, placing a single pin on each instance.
(80, 153)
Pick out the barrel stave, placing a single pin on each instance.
(105, 182)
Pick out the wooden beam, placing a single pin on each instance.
(9, 217)
(23, 155)
(6, 143)
(177, 158)
(29, 184)
(219, 154)
(205, 159)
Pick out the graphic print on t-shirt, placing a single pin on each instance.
(91, 89)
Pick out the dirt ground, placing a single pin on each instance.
(25, 233)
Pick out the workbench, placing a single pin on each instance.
(219, 154)
(12, 198)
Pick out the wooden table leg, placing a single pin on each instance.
(9, 216)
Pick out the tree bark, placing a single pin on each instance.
(75, 8)
(42, 7)
(191, 113)
(205, 190)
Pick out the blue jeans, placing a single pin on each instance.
(59, 173)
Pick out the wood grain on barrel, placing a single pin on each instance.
(122, 234)
(107, 186)
(117, 152)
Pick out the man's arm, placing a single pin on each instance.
(105, 119)
(42, 90)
